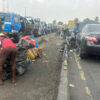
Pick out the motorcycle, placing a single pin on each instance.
(71, 41)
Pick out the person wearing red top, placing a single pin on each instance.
(8, 49)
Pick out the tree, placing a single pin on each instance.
(65, 26)
(86, 19)
(76, 20)
(60, 23)
(54, 22)
(97, 19)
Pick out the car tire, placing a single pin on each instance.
(82, 55)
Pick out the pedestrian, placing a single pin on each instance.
(8, 50)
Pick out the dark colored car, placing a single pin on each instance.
(88, 41)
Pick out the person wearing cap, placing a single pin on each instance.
(8, 49)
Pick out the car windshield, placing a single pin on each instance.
(2, 15)
(94, 28)
(7, 18)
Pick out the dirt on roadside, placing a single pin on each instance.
(43, 76)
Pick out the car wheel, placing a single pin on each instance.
(82, 55)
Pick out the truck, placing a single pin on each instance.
(15, 25)
(10, 23)
(43, 28)
(36, 27)
(30, 26)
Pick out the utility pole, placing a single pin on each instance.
(7, 6)
(25, 19)
(25, 11)
(3, 1)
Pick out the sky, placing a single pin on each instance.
(60, 10)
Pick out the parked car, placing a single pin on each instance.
(88, 41)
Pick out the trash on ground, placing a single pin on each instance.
(58, 44)
(45, 61)
(45, 54)
(71, 85)
(61, 50)
(78, 55)
(71, 50)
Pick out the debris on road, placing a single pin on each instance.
(58, 44)
(34, 53)
(26, 55)
(45, 61)
(71, 85)
(71, 50)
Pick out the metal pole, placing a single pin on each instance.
(3, 5)
(25, 11)
(25, 20)
(7, 6)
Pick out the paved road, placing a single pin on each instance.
(42, 79)
(85, 76)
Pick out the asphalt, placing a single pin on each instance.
(42, 79)
(76, 85)
(84, 77)
(91, 67)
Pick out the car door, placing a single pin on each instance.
(7, 23)
(78, 39)
(17, 23)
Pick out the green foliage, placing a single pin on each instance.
(60, 23)
(76, 20)
(54, 22)
(86, 19)
(97, 19)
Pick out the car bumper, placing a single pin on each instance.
(93, 50)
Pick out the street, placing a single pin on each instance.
(41, 80)
(47, 54)
(84, 80)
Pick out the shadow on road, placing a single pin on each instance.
(91, 58)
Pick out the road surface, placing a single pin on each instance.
(42, 79)
(84, 77)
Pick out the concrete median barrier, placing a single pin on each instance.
(63, 90)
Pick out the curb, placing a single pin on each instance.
(63, 89)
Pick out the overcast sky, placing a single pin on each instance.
(48, 10)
